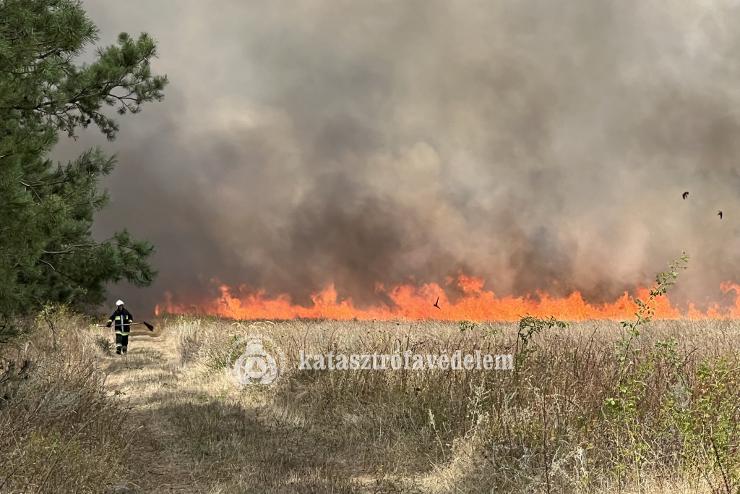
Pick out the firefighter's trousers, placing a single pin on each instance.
(121, 342)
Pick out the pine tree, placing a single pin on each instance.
(47, 253)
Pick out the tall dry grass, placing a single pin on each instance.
(582, 412)
(59, 429)
(577, 415)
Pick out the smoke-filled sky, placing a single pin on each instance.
(540, 145)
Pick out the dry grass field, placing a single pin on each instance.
(587, 409)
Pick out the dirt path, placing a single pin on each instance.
(198, 434)
(141, 380)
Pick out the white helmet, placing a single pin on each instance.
(119, 303)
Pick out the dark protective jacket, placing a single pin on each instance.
(121, 320)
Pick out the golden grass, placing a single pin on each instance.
(546, 427)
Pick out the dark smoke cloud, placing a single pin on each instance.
(542, 145)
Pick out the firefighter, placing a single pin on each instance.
(121, 320)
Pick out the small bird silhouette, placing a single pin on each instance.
(719, 213)
(436, 304)
(685, 195)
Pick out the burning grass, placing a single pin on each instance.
(465, 298)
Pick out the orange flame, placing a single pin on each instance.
(411, 302)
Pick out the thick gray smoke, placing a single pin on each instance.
(538, 144)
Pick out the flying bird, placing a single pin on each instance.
(436, 304)
(685, 195)
(719, 213)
